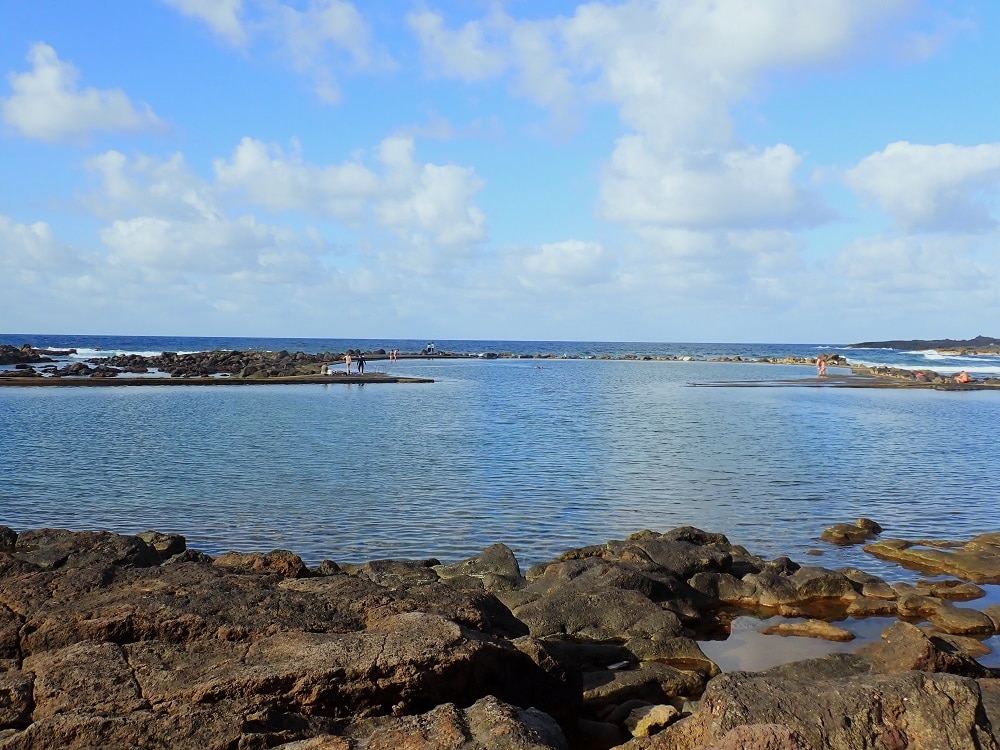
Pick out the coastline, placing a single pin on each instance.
(117, 640)
(74, 382)
(211, 368)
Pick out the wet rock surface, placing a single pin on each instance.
(136, 641)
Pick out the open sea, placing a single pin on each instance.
(540, 454)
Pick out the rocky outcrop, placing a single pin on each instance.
(12, 355)
(977, 344)
(138, 641)
(844, 534)
(977, 560)
(906, 692)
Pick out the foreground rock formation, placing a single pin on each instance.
(136, 641)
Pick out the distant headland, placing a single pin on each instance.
(978, 345)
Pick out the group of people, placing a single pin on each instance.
(359, 358)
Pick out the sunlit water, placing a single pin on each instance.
(540, 455)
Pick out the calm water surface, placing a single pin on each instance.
(540, 455)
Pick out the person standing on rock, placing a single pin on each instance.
(347, 361)
(361, 363)
(821, 367)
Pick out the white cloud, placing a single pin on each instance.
(277, 181)
(418, 216)
(471, 53)
(746, 266)
(308, 38)
(317, 38)
(167, 219)
(710, 189)
(673, 70)
(222, 16)
(148, 186)
(428, 206)
(933, 188)
(946, 274)
(47, 105)
(31, 252)
(429, 203)
(240, 248)
(571, 264)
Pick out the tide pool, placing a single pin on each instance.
(542, 455)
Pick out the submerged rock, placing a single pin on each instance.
(977, 560)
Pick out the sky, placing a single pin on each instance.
(683, 170)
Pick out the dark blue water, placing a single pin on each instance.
(539, 454)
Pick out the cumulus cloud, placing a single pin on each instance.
(311, 38)
(713, 189)
(932, 188)
(278, 181)
(223, 17)
(416, 216)
(47, 105)
(570, 263)
(745, 266)
(427, 205)
(428, 202)
(170, 220)
(30, 252)
(149, 186)
(318, 38)
(238, 248)
(947, 274)
(673, 70)
(471, 53)
(675, 67)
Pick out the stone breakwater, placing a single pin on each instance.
(137, 641)
(259, 365)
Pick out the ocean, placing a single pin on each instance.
(540, 454)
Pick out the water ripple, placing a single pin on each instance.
(572, 453)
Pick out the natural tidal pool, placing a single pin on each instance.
(542, 455)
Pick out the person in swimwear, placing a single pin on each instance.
(821, 367)
(963, 377)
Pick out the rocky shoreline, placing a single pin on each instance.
(31, 366)
(140, 642)
(36, 367)
(973, 346)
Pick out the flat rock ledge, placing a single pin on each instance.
(119, 641)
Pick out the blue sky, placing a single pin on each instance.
(684, 170)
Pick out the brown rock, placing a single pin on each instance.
(58, 548)
(89, 678)
(905, 647)
(845, 534)
(279, 561)
(642, 722)
(865, 606)
(650, 682)
(978, 560)
(962, 621)
(865, 711)
(809, 629)
(487, 724)
(16, 702)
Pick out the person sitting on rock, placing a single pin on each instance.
(963, 377)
